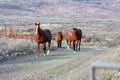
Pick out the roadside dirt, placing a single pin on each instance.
(60, 64)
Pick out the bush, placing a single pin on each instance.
(113, 43)
(30, 30)
(116, 57)
(87, 39)
(92, 39)
(19, 45)
(95, 39)
(108, 74)
(11, 46)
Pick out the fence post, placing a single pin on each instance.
(10, 32)
(5, 31)
(102, 65)
(92, 73)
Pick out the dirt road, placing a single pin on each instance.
(61, 64)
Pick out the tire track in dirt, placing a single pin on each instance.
(50, 74)
(75, 67)
(81, 63)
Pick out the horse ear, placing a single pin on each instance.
(35, 23)
(73, 28)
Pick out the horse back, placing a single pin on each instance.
(79, 33)
(47, 35)
(69, 36)
(59, 36)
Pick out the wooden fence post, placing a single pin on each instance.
(10, 32)
(5, 31)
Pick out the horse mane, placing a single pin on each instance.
(40, 31)
(75, 29)
(78, 32)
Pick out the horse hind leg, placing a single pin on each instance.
(79, 44)
(58, 44)
(37, 50)
(67, 44)
(44, 48)
(48, 47)
(61, 43)
(74, 45)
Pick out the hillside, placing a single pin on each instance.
(58, 7)
(60, 14)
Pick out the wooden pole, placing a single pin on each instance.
(10, 30)
(5, 31)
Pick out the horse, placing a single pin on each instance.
(58, 38)
(69, 39)
(42, 37)
(74, 37)
(77, 36)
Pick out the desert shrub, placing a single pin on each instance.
(3, 46)
(112, 43)
(92, 39)
(19, 45)
(30, 30)
(116, 57)
(95, 39)
(87, 39)
(11, 46)
(108, 74)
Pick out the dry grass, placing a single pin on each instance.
(110, 74)
(14, 47)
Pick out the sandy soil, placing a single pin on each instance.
(60, 64)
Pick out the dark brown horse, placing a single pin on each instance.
(58, 38)
(42, 36)
(74, 37)
(77, 36)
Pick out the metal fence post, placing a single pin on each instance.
(102, 65)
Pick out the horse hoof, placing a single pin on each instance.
(45, 55)
(37, 56)
(68, 47)
(74, 51)
(48, 52)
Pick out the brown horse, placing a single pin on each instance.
(42, 36)
(69, 39)
(74, 37)
(77, 36)
(58, 38)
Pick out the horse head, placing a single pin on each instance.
(74, 33)
(37, 27)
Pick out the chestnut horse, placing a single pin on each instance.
(74, 37)
(58, 38)
(77, 36)
(42, 37)
(69, 39)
